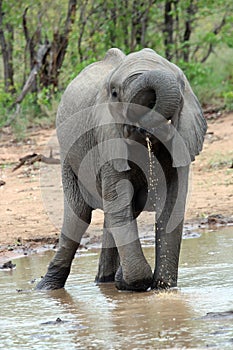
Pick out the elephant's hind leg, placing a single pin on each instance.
(109, 259)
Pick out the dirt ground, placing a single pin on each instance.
(31, 198)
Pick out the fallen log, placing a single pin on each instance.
(34, 157)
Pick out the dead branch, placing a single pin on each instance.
(33, 158)
(42, 51)
(215, 31)
(54, 58)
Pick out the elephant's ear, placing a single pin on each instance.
(191, 126)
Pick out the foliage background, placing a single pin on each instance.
(195, 35)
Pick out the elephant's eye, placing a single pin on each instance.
(114, 93)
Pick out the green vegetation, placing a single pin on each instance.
(45, 45)
(220, 160)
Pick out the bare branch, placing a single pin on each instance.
(33, 158)
(215, 31)
(82, 21)
(210, 50)
(42, 51)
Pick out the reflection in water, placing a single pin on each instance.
(124, 320)
(100, 317)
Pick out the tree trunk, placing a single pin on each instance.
(52, 64)
(82, 24)
(124, 8)
(113, 18)
(7, 52)
(177, 34)
(168, 29)
(31, 43)
(188, 30)
(140, 13)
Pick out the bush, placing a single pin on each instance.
(6, 101)
(212, 81)
(228, 99)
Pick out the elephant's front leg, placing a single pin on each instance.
(59, 267)
(77, 216)
(109, 260)
(169, 228)
(134, 272)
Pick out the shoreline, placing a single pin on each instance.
(193, 228)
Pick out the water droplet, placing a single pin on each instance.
(152, 179)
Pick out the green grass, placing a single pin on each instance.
(221, 161)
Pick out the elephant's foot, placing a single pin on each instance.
(161, 285)
(164, 278)
(105, 278)
(165, 282)
(55, 278)
(108, 264)
(140, 284)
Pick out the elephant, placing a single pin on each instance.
(107, 118)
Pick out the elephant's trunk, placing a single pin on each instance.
(159, 92)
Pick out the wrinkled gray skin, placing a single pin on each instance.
(148, 80)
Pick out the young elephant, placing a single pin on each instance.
(107, 116)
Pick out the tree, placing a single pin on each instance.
(47, 56)
(44, 45)
(182, 18)
(6, 42)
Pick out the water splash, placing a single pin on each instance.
(152, 178)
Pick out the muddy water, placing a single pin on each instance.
(100, 317)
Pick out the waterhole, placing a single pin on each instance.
(87, 316)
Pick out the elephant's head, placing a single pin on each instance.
(157, 100)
